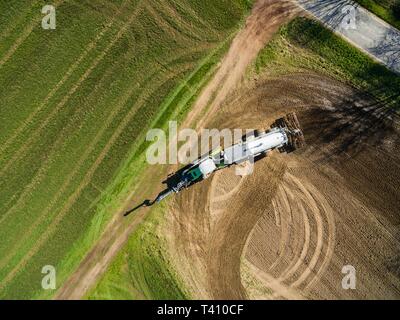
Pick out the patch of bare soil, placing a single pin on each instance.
(294, 223)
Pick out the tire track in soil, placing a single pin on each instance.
(266, 17)
(321, 184)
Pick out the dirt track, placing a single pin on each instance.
(294, 223)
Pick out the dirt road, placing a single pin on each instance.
(264, 20)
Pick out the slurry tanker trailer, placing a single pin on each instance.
(285, 135)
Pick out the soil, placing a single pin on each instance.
(300, 217)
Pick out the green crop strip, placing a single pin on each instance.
(142, 269)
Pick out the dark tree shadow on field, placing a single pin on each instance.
(351, 124)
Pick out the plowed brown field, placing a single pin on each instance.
(287, 230)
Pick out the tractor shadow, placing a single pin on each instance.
(145, 203)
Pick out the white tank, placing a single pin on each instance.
(252, 148)
(207, 167)
(266, 142)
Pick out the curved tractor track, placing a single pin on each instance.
(286, 231)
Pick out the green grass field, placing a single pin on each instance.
(301, 45)
(76, 103)
(388, 10)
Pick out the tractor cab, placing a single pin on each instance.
(200, 171)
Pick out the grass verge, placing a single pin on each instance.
(142, 270)
(306, 44)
